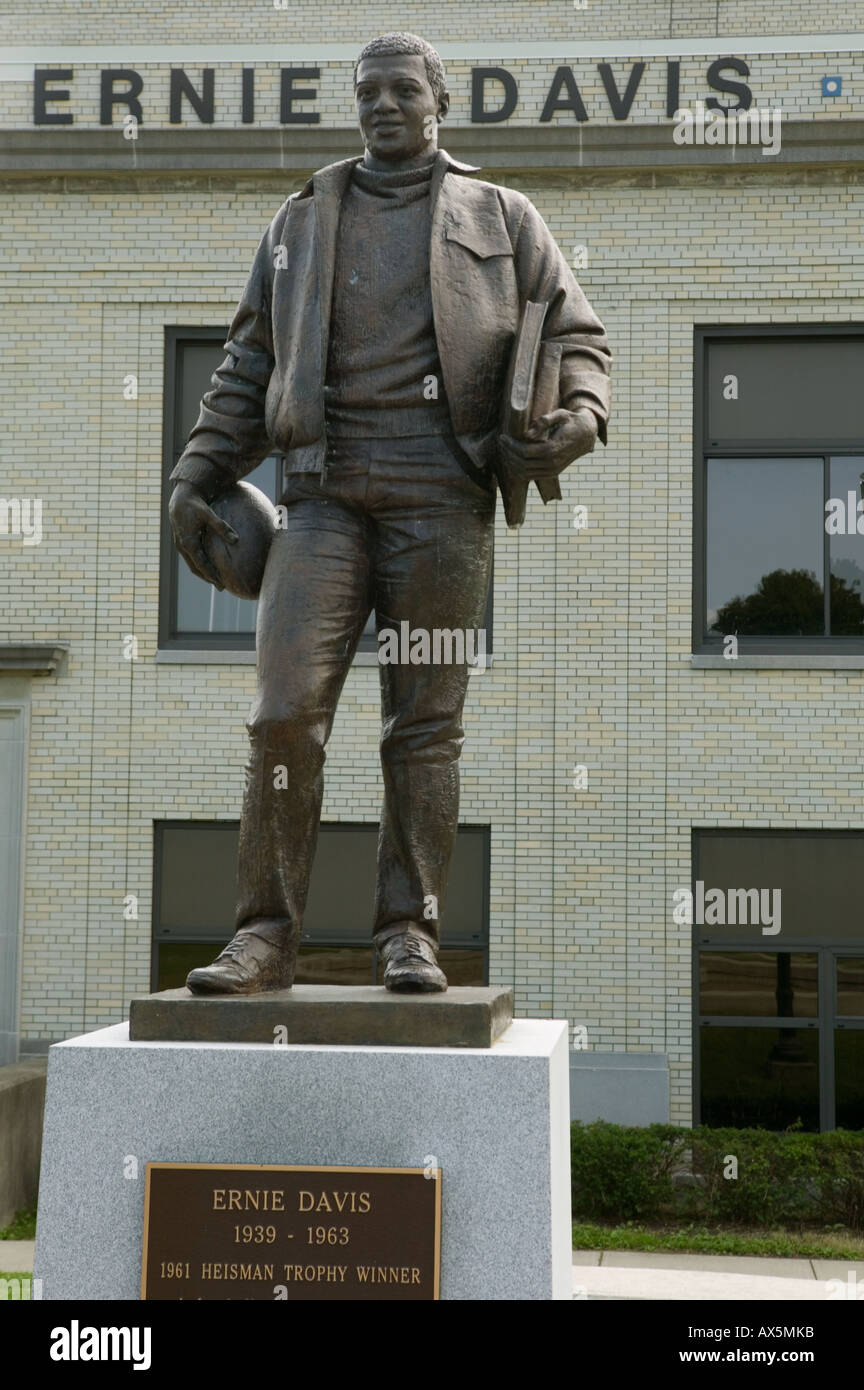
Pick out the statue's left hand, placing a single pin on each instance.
(554, 441)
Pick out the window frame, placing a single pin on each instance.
(170, 638)
(704, 335)
(219, 937)
(827, 1020)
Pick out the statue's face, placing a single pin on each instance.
(396, 106)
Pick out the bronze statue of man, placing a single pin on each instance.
(371, 345)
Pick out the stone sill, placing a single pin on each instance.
(762, 661)
(177, 656)
(206, 656)
(33, 658)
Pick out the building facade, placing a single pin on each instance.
(662, 815)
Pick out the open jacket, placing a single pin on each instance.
(490, 251)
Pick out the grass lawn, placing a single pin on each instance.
(824, 1244)
(20, 1291)
(22, 1227)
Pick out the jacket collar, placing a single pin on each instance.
(327, 188)
(334, 178)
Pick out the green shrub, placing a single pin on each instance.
(622, 1173)
(775, 1176)
(737, 1177)
(839, 1178)
(22, 1227)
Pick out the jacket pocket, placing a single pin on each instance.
(483, 241)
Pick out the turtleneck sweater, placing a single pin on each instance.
(383, 370)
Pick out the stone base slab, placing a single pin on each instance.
(345, 1015)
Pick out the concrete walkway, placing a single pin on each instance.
(16, 1256)
(633, 1274)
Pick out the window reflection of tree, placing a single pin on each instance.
(791, 603)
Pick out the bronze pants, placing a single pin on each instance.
(397, 526)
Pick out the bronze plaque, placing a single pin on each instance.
(260, 1231)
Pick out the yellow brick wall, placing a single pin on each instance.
(591, 628)
(449, 21)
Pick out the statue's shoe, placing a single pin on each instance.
(248, 965)
(411, 965)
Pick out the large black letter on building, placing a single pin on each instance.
(479, 78)
(108, 98)
(41, 96)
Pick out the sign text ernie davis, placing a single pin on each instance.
(248, 1231)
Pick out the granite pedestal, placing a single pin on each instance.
(495, 1119)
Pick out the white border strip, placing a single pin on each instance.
(115, 55)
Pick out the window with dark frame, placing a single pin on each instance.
(779, 1017)
(195, 888)
(193, 615)
(779, 490)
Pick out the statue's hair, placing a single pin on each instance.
(401, 42)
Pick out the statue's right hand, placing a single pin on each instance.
(191, 518)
